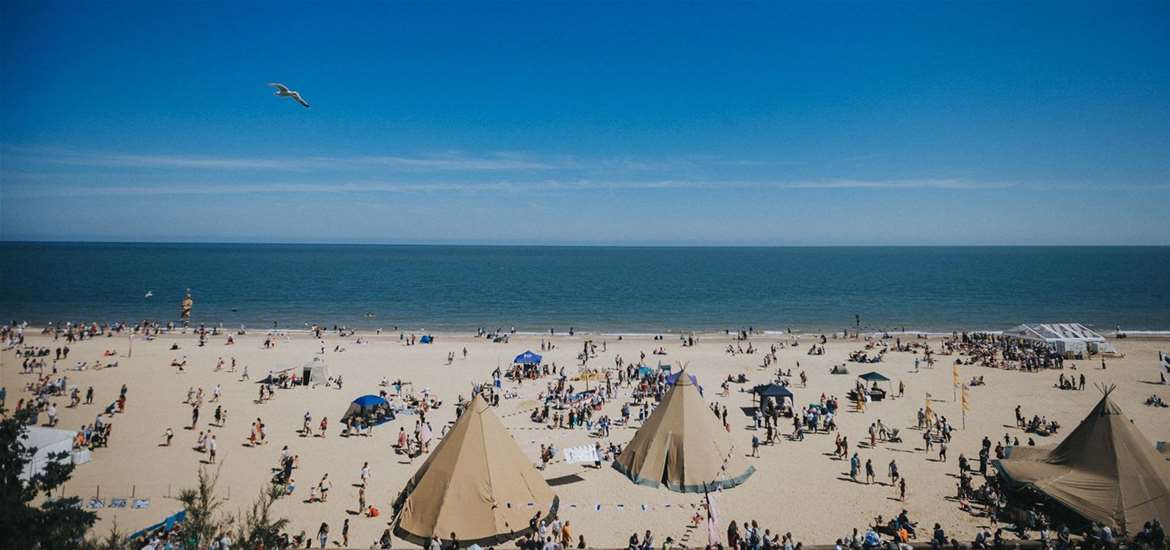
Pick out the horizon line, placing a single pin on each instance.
(577, 244)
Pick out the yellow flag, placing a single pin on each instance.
(929, 411)
(955, 375)
(966, 406)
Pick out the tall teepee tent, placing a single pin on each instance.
(1105, 471)
(476, 484)
(683, 446)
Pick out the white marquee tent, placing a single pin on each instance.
(47, 441)
(1064, 338)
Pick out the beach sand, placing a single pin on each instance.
(797, 486)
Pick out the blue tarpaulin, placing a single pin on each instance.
(527, 358)
(426, 339)
(166, 524)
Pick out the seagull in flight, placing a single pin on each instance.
(283, 91)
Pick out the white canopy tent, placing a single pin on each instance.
(47, 441)
(1065, 338)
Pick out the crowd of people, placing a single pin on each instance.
(564, 405)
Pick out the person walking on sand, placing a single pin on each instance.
(323, 534)
(325, 485)
(854, 466)
(365, 474)
(211, 447)
(902, 489)
(345, 534)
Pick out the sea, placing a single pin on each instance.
(632, 290)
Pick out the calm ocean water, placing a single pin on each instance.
(590, 288)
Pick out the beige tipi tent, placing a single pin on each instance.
(476, 484)
(683, 446)
(1105, 471)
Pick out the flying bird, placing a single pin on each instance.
(149, 294)
(283, 91)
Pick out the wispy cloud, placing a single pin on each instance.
(441, 162)
(541, 186)
(39, 175)
(462, 163)
(502, 162)
(56, 156)
(900, 184)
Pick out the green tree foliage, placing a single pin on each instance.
(55, 523)
(204, 522)
(256, 528)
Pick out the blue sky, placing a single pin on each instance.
(637, 123)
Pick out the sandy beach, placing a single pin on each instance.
(798, 487)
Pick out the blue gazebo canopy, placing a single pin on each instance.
(527, 358)
(874, 376)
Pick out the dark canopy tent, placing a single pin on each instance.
(874, 376)
(772, 390)
(527, 358)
